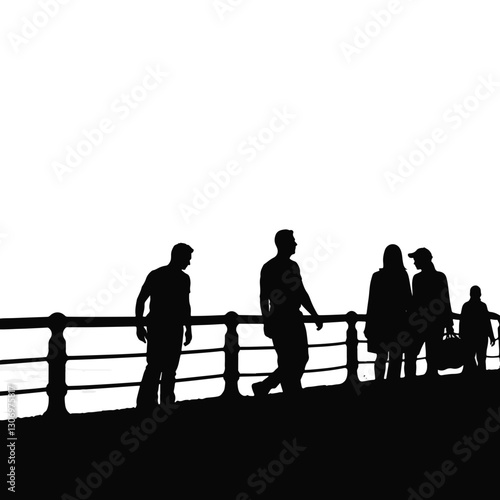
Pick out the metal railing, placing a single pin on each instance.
(57, 356)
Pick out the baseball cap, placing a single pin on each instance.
(421, 253)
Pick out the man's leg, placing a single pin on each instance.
(274, 379)
(294, 358)
(171, 354)
(302, 354)
(147, 396)
(285, 362)
(292, 351)
(379, 365)
(481, 348)
(433, 348)
(411, 355)
(469, 357)
(395, 363)
(268, 383)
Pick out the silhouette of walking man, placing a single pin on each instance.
(475, 330)
(168, 288)
(432, 313)
(282, 294)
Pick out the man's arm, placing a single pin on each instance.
(303, 296)
(305, 300)
(447, 304)
(189, 333)
(308, 306)
(265, 305)
(139, 309)
(371, 306)
(491, 335)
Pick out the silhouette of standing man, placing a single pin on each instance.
(432, 313)
(168, 288)
(475, 330)
(282, 293)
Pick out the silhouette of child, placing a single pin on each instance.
(475, 330)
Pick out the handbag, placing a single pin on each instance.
(451, 352)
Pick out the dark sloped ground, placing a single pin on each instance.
(375, 445)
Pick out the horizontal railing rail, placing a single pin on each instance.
(57, 356)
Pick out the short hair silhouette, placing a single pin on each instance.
(393, 258)
(475, 292)
(283, 237)
(181, 250)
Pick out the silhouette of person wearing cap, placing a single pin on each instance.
(431, 313)
(282, 294)
(168, 288)
(475, 330)
(389, 303)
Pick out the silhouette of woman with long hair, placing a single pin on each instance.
(389, 304)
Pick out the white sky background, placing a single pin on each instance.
(64, 237)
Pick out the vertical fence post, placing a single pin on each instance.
(231, 350)
(352, 346)
(57, 357)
